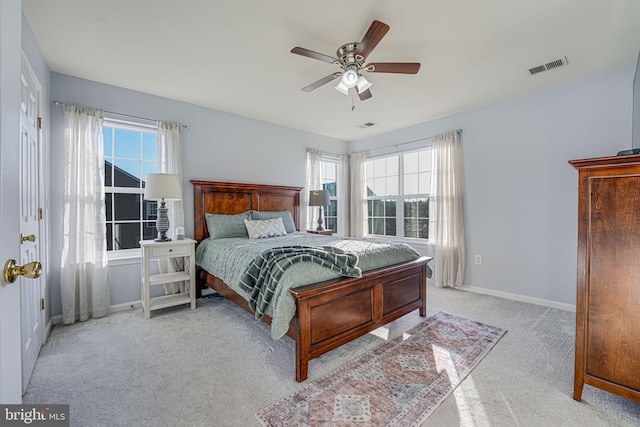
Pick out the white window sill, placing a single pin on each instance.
(411, 242)
(124, 257)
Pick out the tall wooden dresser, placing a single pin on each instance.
(608, 298)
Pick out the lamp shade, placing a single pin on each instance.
(160, 186)
(319, 198)
(349, 78)
(363, 84)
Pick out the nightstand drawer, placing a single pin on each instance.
(173, 250)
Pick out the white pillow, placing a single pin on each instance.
(260, 229)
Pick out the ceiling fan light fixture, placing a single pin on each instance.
(342, 88)
(363, 84)
(349, 79)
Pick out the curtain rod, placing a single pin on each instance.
(459, 131)
(123, 115)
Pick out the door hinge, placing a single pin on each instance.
(39, 122)
(40, 214)
(41, 304)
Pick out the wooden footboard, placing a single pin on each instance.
(330, 314)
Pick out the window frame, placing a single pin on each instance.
(120, 256)
(399, 198)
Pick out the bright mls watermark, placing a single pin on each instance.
(34, 415)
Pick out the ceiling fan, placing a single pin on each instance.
(351, 59)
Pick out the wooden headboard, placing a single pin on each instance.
(233, 198)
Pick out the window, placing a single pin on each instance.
(398, 194)
(329, 168)
(130, 153)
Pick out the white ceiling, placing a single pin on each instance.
(234, 55)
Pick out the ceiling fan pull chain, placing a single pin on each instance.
(353, 101)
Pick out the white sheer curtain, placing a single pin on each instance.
(446, 190)
(343, 195)
(83, 273)
(313, 182)
(170, 161)
(358, 180)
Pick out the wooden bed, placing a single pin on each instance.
(328, 314)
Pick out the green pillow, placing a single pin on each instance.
(287, 219)
(221, 226)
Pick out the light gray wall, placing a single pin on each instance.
(519, 192)
(219, 146)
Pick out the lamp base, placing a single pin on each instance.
(162, 239)
(162, 223)
(320, 227)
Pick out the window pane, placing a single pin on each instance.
(331, 186)
(127, 235)
(150, 147)
(126, 207)
(147, 168)
(390, 208)
(392, 166)
(378, 168)
(423, 208)
(410, 227)
(126, 144)
(411, 163)
(109, 205)
(149, 210)
(332, 209)
(423, 228)
(370, 225)
(369, 208)
(425, 160)
(411, 185)
(331, 224)
(107, 132)
(378, 187)
(425, 183)
(378, 208)
(126, 173)
(109, 237)
(390, 227)
(378, 226)
(149, 230)
(108, 173)
(392, 186)
(410, 208)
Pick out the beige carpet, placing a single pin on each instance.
(217, 366)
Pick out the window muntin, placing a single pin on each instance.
(398, 188)
(130, 152)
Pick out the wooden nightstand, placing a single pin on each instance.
(159, 250)
(323, 232)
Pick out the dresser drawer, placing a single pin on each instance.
(160, 251)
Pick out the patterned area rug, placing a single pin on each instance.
(399, 383)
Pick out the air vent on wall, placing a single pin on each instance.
(560, 62)
(366, 125)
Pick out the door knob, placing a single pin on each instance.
(12, 270)
(29, 238)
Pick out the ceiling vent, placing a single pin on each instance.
(366, 125)
(560, 62)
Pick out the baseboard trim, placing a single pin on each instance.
(520, 298)
(112, 309)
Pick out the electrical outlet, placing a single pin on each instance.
(478, 259)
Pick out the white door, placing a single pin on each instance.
(31, 236)
(10, 360)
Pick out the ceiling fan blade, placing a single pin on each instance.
(393, 67)
(322, 81)
(365, 95)
(314, 55)
(374, 34)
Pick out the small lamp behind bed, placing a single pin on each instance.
(319, 198)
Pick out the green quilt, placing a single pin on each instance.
(261, 278)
